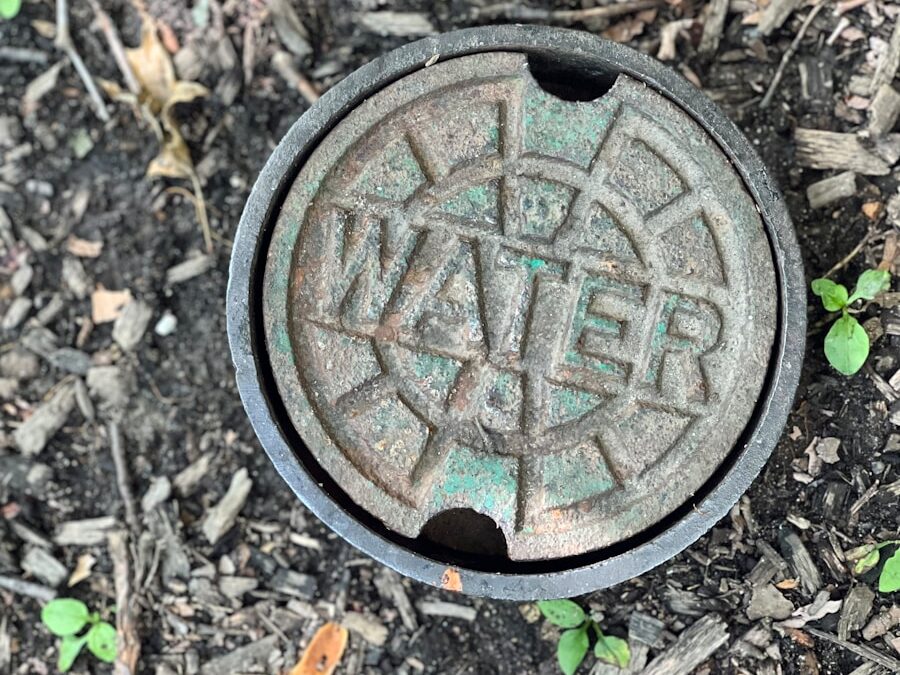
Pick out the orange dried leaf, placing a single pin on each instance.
(451, 581)
(324, 651)
(787, 584)
(82, 569)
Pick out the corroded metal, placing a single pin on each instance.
(558, 314)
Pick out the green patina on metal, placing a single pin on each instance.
(483, 483)
(481, 203)
(572, 131)
(579, 474)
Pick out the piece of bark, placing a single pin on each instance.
(856, 609)
(87, 532)
(45, 421)
(867, 653)
(888, 63)
(221, 517)
(367, 627)
(801, 562)
(768, 602)
(20, 587)
(189, 269)
(884, 110)
(131, 324)
(187, 479)
(818, 149)
(390, 587)
(450, 610)
(776, 13)
(127, 606)
(41, 564)
(831, 189)
(713, 25)
(289, 28)
(242, 659)
(402, 24)
(695, 644)
(882, 623)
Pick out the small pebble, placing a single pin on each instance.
(166, 325)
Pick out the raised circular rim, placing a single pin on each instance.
(593, 54)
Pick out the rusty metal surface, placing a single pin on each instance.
(558, 314)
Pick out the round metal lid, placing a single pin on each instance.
(557, 314)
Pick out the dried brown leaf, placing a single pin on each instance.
(152, 66)
(324, 652)
(40, 87)
(83, 248)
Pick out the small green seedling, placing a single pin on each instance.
(67, 618)
(574, 642)
(867, 557)
(10, 8)
(847, 343)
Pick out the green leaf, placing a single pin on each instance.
(573, 645)
(847, 345)
(65, 616)
(101, 639)
(867, 562)
(612, 650)
(69, 649)
(889, 581)
(10, 8)
(562, 613)
(870, 284)
(834, 296)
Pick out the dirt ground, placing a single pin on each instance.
(79, 218)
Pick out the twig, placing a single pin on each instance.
(116, 47)
(36, 591)
(843, 262)
(767, 99)
(122, 479)
(604, 11)
(283, 63)
(127, 607)
(64, 42)
(892, 664)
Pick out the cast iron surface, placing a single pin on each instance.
(555, 313)
(572, 52)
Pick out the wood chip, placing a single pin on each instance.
(243, 659)
(83, 248)
(190, 268)
(87, 532)
(131, 324)
(776, 13)
(21, 587)
(82, 570)
(884, 110)
(47, 419)
(391, 590)
(450, 610)
(767, 602)
(713, 25)
(888, 63)
(694, 646)
(39, 563)
(856, 609)
(106, 305)
(801, 562)
(402, 24)
(188, 478)
(39, 87)
(832, 150)
(882, 623)
(367, 627)
(221, 517)
(831, 189)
